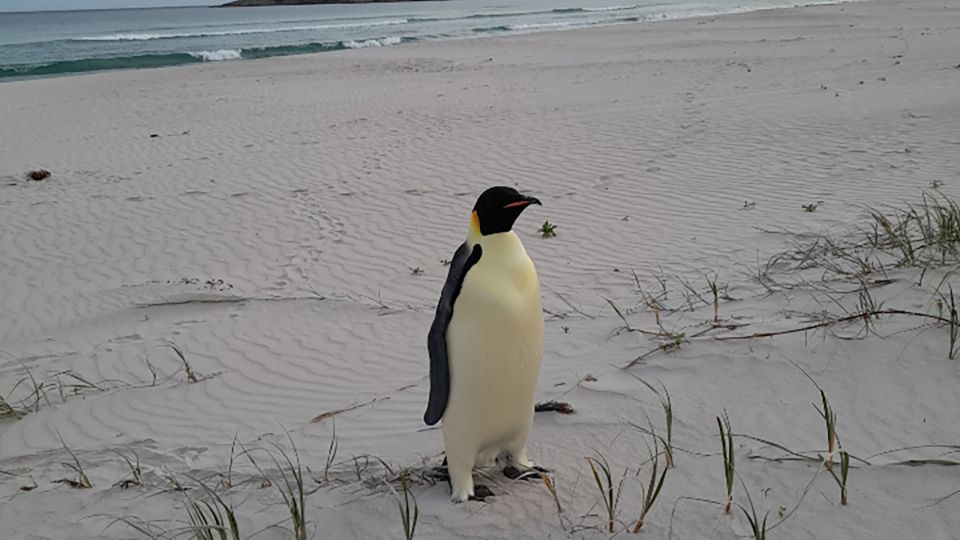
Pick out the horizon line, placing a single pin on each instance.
(71, 10)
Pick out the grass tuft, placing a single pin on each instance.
(833, 444)
(291, 486)
(667, 405)
(610, 491)
(407, 504)
(226, 479)
(136, 478)
(950, 303)
(830, 421)
(192, 376)
(331, 452)
(211, 519)
(651, 490)
(82, 481)
(758, 526)
(673, 342)
(7, 410)
(715, 290)
(729, 465)
(547, 230)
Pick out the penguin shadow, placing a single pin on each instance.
(482, 492)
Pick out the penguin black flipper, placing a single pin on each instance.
(463, 259)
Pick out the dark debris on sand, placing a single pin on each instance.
(561, 407)
(39, 174)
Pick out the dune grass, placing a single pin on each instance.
(226, 478)
(610, 489)
(82, 481)
(136, 476)
(551, 484)
(192, 376)
(211, 518)
(758, 525)
(921, 233)
(650, 490)
(667, 405)
(833, 445)
(729, 463)
(36, 395)
(949, 304)
(331, 452)
(406, 504)
(291, 484)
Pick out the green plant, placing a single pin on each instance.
(212, 519)
(652, 302)
(626, 323)
(830, 420)
(867, 307)
(651, 490)
(192, 376)
(291, 486)
(226, 479)
(551, 486)
(82, 481)
(409, 509)
(7, 410)
(547, 230)
(758, 526)
(951, 303)
(331, 452)
(673, 342)
(729, 465)
(667, 405)
(841, 479)
(715, 290)
(609, 490)
(833, 444)
(136, 478)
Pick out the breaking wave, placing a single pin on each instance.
(135, 36)
(174, 59)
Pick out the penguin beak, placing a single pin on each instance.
(526, 201)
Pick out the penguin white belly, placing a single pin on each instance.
(495, 345)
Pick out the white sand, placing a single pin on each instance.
(311, 186)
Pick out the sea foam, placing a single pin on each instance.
(383, 42)
(215, 56)
(137, 36)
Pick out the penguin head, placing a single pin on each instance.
(498, 207)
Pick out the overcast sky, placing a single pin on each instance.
(39, 5)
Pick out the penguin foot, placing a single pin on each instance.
(514, 473)
(439, 474)
(480, 493)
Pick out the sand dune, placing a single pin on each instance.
(283, 223)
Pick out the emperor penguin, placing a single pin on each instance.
(486, 344)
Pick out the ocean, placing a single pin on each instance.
(54, 43)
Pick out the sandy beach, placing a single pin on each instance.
(283, 225)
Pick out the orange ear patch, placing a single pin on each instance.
(475, 223)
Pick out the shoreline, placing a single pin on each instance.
(70, 68)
